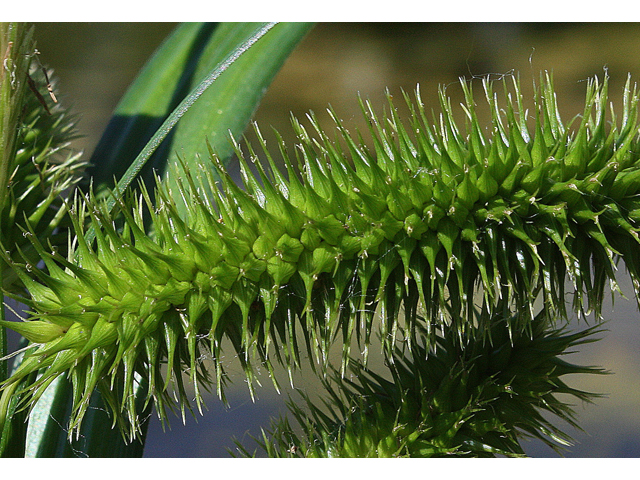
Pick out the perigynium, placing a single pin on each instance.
(456, 227)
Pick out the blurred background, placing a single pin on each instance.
(95, 62)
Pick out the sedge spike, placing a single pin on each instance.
(429, 220)
(461, 399)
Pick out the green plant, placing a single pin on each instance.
(461, 241)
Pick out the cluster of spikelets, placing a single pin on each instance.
(432, 221)
(474, 396)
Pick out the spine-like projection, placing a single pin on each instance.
(429, 220)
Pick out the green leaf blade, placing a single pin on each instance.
(227, 106)
(156, 91)
(222, 49)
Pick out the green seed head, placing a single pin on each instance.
(430, 220)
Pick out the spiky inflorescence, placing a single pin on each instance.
(476, 396)
(42, 171)
(434, 222)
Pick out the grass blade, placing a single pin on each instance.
(164, 80)
(139, 162)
